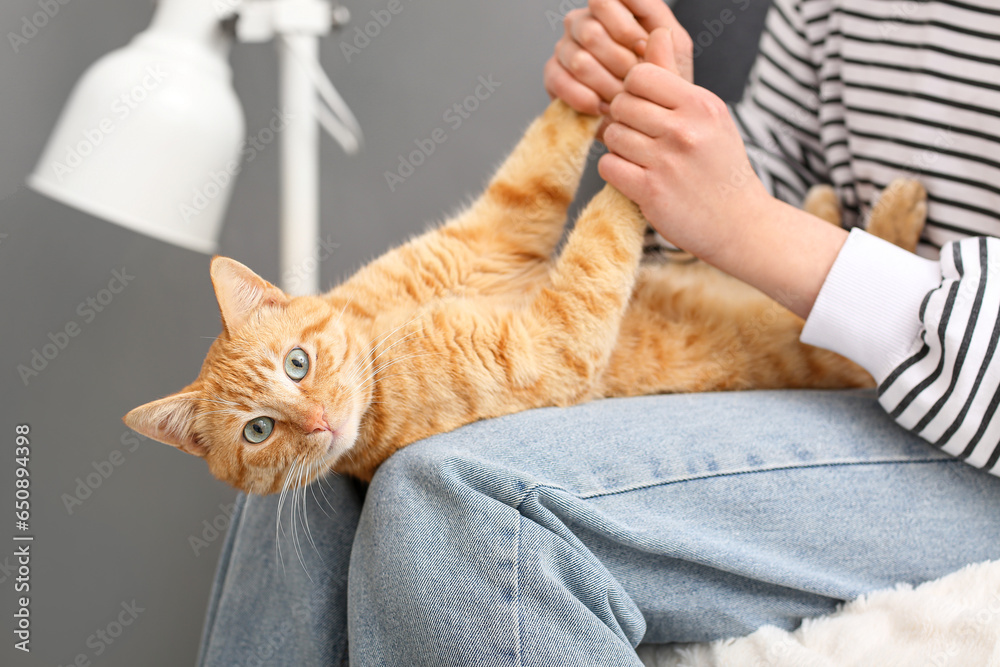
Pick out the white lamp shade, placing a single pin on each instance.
(151, 137)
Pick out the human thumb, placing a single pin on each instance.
(660, 50)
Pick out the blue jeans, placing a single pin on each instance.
(567, 536)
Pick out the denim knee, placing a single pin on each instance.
(450, 533)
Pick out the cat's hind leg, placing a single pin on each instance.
(900, 214)
(821, 201)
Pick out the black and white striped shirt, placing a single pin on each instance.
(857, 93)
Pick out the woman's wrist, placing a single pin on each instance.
(782, 251)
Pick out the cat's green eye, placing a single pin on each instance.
(296, 364)
(257, 430)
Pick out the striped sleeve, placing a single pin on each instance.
(778, 114)
(927, 331)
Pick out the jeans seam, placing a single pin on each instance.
(517, 592)
(735, 473)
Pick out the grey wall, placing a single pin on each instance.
(129, 539)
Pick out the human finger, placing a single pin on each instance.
(592, 35)
(631, 144)
(629, 178)
(654, 14)
(587, 70)
(639, 114)
(560, 83)
(619, 22)
(658, 85)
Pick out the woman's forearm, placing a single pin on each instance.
(782, 251)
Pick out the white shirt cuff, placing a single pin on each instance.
(868, 309)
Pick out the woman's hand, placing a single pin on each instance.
(676, 152)
(600, 46)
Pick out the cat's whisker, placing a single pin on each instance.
(291, 515)
(312, 490)
(378, 378)
(305, 507)
(367, 361)
(344, 310)
(370, 384)
(397, 342)
(382, 339)
(324, 480)
(278, 532)
(390, 362)
(350, 455)
(375, 379)
(409, 355)
(415, 355)
(296, 492)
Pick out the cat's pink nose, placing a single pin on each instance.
(316, 420)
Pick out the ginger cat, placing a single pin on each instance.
(476, 319)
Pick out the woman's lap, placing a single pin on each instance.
(671, 518)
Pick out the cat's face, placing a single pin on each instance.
(281, 393)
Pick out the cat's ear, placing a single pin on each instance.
(169, 420)
(240, 292)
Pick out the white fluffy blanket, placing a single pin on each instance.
(953, 621)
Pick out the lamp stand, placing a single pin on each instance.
(300, 168)
(296, 26)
